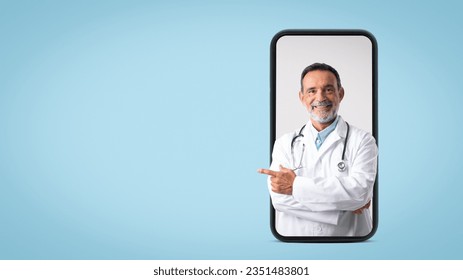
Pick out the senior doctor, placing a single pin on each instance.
(317, 188)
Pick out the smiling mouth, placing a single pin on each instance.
(322, 107)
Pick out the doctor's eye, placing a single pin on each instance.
(311, 91)
(329, 90)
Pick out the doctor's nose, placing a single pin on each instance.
(320, 95)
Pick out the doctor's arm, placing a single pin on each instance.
(341, 193)
(286, 203)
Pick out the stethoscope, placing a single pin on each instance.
(341, 165)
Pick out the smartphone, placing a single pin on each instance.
(324, 135)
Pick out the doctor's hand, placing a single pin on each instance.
(281, 181)
(360, 210)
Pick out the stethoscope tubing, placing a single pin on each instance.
(341, 165)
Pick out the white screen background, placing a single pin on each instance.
(351, 56)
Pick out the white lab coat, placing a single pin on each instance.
(323, 198)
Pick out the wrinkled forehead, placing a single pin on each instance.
(319, 78)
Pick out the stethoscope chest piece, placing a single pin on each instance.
(341, 166)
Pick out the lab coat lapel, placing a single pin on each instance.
(310, 153)
(311, 150)
(334, 138)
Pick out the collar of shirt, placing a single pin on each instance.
(320, 136)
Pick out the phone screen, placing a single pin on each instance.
(324, 132)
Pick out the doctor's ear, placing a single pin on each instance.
(301, 96)
(341, 94)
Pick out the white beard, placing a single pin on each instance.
(326, 117)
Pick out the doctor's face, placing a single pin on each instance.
(321, 96)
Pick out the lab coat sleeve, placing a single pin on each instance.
(349, 192)
(287, 203)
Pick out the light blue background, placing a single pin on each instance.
(133, 129)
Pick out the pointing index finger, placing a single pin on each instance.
(267, 172)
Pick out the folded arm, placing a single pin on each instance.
(341, 193)
(286, 203)
(301, 196)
